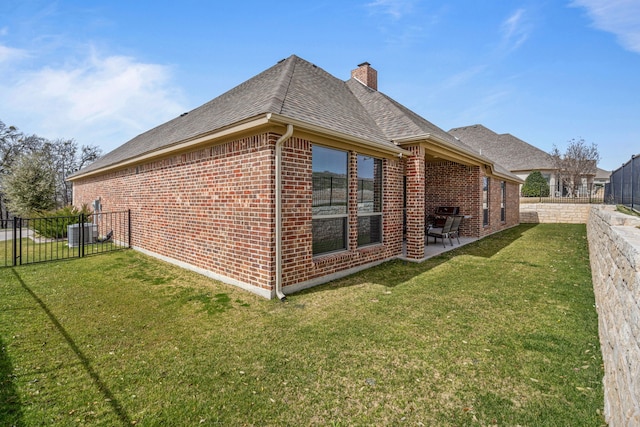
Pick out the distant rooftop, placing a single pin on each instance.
(505, 149)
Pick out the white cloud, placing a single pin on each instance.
(103, 100)
(620, 17)
(515, 30)
(394, 8)
(9, 54)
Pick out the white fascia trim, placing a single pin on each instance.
(180, 146)
(474, 157)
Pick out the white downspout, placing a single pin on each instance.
(281, 296)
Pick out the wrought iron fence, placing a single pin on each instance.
(624, 185)
(586, 193)
(329, 191)
(32, 240)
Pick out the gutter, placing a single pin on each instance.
(281, 296)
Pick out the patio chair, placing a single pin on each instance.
(455, 228)
(442, 232)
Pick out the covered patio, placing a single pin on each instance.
(441, 173)
(431, 249)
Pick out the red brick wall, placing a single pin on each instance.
(512, 205)
(299, 264)
(415, 171)
(453, 184)
(214, 208)
(211, 208)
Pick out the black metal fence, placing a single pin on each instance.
(586, 193)
(32, 240)
(624, 185)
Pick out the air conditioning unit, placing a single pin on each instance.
(90, 234)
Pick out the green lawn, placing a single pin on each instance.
(32, 251)
(499, 332)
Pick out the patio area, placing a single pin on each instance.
(432, 249)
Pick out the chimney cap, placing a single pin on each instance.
(363, 64)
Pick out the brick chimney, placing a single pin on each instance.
(366, 75)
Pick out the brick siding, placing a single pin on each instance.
(453, 184)
(214, 209)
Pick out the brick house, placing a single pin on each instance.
(521, 158)
(294, 178)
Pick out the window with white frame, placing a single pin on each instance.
(330, 196)
(369, 200)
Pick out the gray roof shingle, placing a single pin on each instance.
(507, 150)
(397, 122)
(295, 89)
(292, 88)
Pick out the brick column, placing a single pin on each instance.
(415, 203)
(352, 201)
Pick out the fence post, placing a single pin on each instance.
(81, 236)
(540, 193)
(622, 186)
(15, 242)
(633, 156)
(129, 226)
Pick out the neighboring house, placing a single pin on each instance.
(294, 178)
(602, 177)
(521, 158)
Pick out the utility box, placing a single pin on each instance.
(90, 234)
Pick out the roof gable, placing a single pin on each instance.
(296, 90)
(292, 88)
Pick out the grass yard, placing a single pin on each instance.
(500, 332)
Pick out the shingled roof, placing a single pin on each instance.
(507, 150)
(298, 90)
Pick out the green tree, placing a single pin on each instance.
(31, 185)
(535, 185)
(12, 144)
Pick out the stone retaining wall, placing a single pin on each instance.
(614, 248)
(567, 213)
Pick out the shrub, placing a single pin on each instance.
(535, 185)
(54, 224)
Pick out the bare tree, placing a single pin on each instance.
(61, 157)
(578, 163)
(68, 160)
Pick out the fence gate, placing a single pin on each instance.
(32, 240)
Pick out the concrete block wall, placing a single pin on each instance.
(554, 213)
(614, 248)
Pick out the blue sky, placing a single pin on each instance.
(101, 72)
